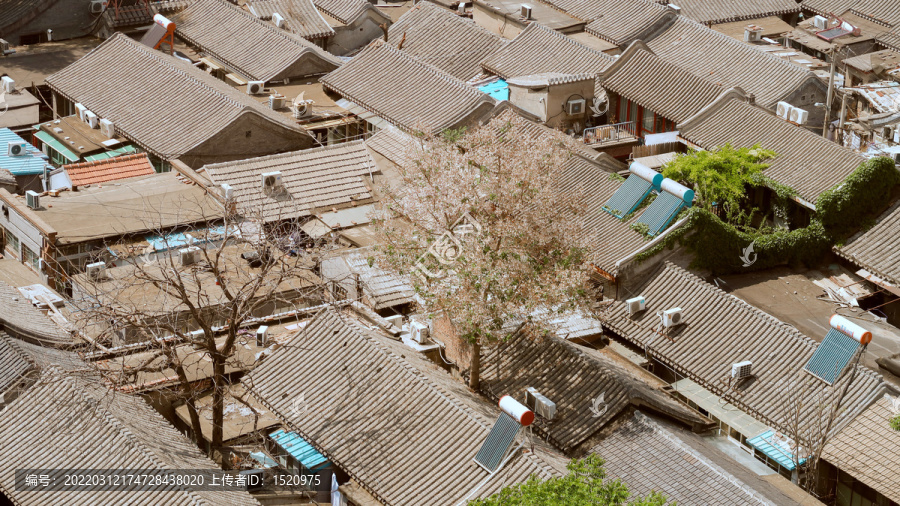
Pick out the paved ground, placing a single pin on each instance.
(790, 295)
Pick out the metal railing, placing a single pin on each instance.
(610, 133)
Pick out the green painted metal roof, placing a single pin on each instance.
(58, 146)
(122, 150)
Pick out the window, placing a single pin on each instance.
(31, 258)
(12, 244)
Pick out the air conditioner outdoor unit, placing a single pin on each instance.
(271, 182)
(277, 20)
(79, 110)
(4, 46)
(799, 116)
(418, 332)
(461, 8)
(741, 370)
(672, 317)
(276, 101)
(539, 404)
(897, 135)
(896, 158)
(16, 149)
(820, 22)
(97, 6)
(575, 107)
(526, 11)
(262, 336)
(91, 119)
(752, 34)
(9, 85)
(227, 191)
(303, 109)
(33, 199)
(96, 270)
(190, 255)
(636, 305)
(108, 128)
(783, 110)
(255, 87)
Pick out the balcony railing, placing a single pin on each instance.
(606, 134)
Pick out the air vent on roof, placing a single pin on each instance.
(540, 404)
(16, 149)
(799, 116)
(33, 199)
(672, 317)
(820, 22)
(107, 128)
(526, 11)
(277, 20)
(741, 370)
(461, 8)
(636, 305)
(96, 270)
(255, 87)
(8, 84)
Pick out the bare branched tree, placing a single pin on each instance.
(180, 313)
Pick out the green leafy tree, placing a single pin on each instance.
(586, 484)
(721, 176)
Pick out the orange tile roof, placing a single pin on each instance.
(109, 169)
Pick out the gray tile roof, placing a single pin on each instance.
(14, 364)
(658, 85)
(611, 239)
(21, 319)
(301, 16)
(406, 91)
(391, 419)
(539, 49)
(869, 450)
(806, 162)
(391, 144)
(383, 289)
(348, 11)
(572, 378)
(325, 177)
(649, 458)
(891, 39)
(162, 103)
(864, 62)
(619, 21)
(719, 58)
(724, 11)
(884, 12)
(721, 330)
(877, 249)
(823, 7)
(256, 49)
(67, 422)
(441, 38)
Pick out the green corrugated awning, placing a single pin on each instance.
(55, 144)
(123, 150)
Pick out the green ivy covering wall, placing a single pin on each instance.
(723, 249)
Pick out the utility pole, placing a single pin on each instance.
(840, 131)
(830, 93)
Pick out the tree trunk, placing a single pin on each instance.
(475, 367)
(218, 401)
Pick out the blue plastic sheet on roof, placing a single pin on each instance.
(776, 448)
(832, 356)
(27, 165)
(498, 90)
(302, 451)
